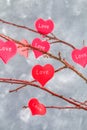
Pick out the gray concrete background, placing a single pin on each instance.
(70, 17)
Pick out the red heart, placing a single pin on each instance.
(43, 73)
(36, 107)
(42, 45)
(80, 56)
(44, 26)
(7, 50)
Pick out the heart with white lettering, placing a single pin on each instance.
(36, 107)
(44, 26)
(43, 73)
(7, 50)
(80, 56)
(41, 45)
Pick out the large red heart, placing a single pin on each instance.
(43, 73)
(42, 45)
(44, 26)
(7, 50)
(80, 56)
(36, 107)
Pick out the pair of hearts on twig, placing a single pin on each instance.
(44, 27)
(8, 49)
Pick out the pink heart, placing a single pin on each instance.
(42, 45)
(23, 50)
(80, 56)
(44, 26)
(43, 73)
(7, 50)
(36, 107)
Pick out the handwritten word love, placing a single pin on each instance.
(41, 45)
(44, 26)
(43, 73)
(36, 107)
(7, 50)
(80, 56)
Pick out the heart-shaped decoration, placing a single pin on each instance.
(43, 73)
(44, 26)
(80, 56)
(42, 45)
(7, 50)
(23, 50)
(36, 107)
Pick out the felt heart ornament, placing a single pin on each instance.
(80, 56)
(36, 107)
(43, 73)
(44, 26)
(7, 50)
(23, 50)
(41, 45)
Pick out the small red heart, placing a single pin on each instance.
(44, 26)
(43, 73)
(7, 50)
(23, 50)
(42, 45)
(80, 56)
(36, 107)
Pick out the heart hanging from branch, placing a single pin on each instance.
(36, 107)
(80, 56)
(43, 73)
(44, 26)
(41, 45)
(7, 50)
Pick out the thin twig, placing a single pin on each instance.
(23, 27)
(65, 43)
(46, 90)
(61, 68)
(58, 107)
(15, 90)
(63, 107)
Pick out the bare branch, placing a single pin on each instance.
(63, 61)
(56, 40)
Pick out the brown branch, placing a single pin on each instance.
(63, 61)
(24, 27)
(63, 107)
(65, 43)
(57, 40)
(69, 100)
(61, 68)
(58, 107)
(15, 90)
(23, 86)
(53, 37)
